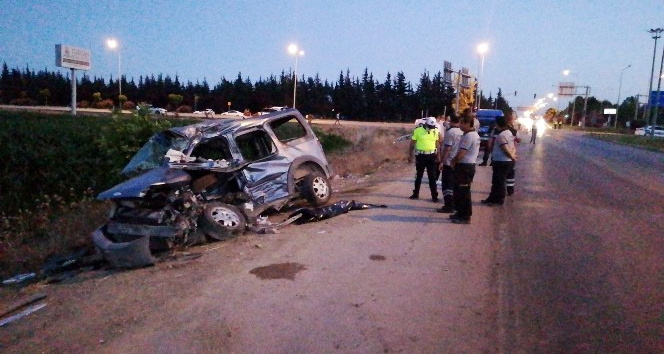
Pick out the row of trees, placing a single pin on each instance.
(363, 98)
(630, 110)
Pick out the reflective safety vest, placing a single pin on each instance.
(425, 140)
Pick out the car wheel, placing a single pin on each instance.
(316, 188)
(221, 221)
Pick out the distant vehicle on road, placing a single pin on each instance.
(208, 113)
(152, 110)
(158, 111)
(232, 114)
(487, 118)
(647, 130)
(272, 109)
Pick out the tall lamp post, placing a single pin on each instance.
(113, 44)
(482, 48)
(655, 35)
(567, 73)
(615, 123)
(294, 50)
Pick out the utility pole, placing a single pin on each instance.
(659, 85)
(585, 105)
(655, 32)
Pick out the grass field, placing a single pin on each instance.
(645, 142)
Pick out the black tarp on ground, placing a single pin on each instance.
(330, 211)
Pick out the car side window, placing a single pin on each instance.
(287, 129)
(255, 145)
(213, 149)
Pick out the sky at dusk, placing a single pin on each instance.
(530, 42)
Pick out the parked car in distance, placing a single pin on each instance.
(647, 130)
(487, 118)
(641, 131)
(232, 114)
(151, 110)
(267, 110)
(208, 113)
(212, 179)
(158, 111)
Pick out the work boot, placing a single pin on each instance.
(434, 199)
(414, 196)
(445, 209)
(490, 202)
(460, 221)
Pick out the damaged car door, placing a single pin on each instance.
(266, 172)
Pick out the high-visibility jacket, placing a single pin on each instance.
(425, 139)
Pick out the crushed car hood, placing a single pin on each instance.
(137, 186)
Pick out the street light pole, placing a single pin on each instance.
(615, 124)
(659, 85)
(655, 32)
(567, 73)
(292, 49)
(113, 44)
(482, 48)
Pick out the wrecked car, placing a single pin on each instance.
(212, 179)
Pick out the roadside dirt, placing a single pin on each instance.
(95, 307)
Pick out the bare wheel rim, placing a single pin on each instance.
(224, 217)
(320, 187)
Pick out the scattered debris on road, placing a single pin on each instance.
(330, 211)
(19, 304)
(20, 278)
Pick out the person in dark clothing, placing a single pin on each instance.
(450, 147)
(425, 144)
(504, 155)
(463, 164)
(511, 174)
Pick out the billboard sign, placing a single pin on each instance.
(609, 111)
(654, 101)
(566, 89)
(448, 72)
(72, 57)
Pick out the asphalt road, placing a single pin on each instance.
(572, 263)
(582, 248)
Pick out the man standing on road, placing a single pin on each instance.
(488, 147)
(504, 156)
(463, 164)
(511, 175)
(533, 131)
(450, 147)
(424, 144)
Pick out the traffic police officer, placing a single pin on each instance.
(425, 142)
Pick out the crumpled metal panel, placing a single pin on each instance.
(137, 186)
(114, 227)
(268, 180)
(132, 254)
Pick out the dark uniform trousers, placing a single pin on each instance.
(499, 180)
(511, 180)
(463, 178)
(447, 184)
(428, 162)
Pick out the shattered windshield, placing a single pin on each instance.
(151, 155)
